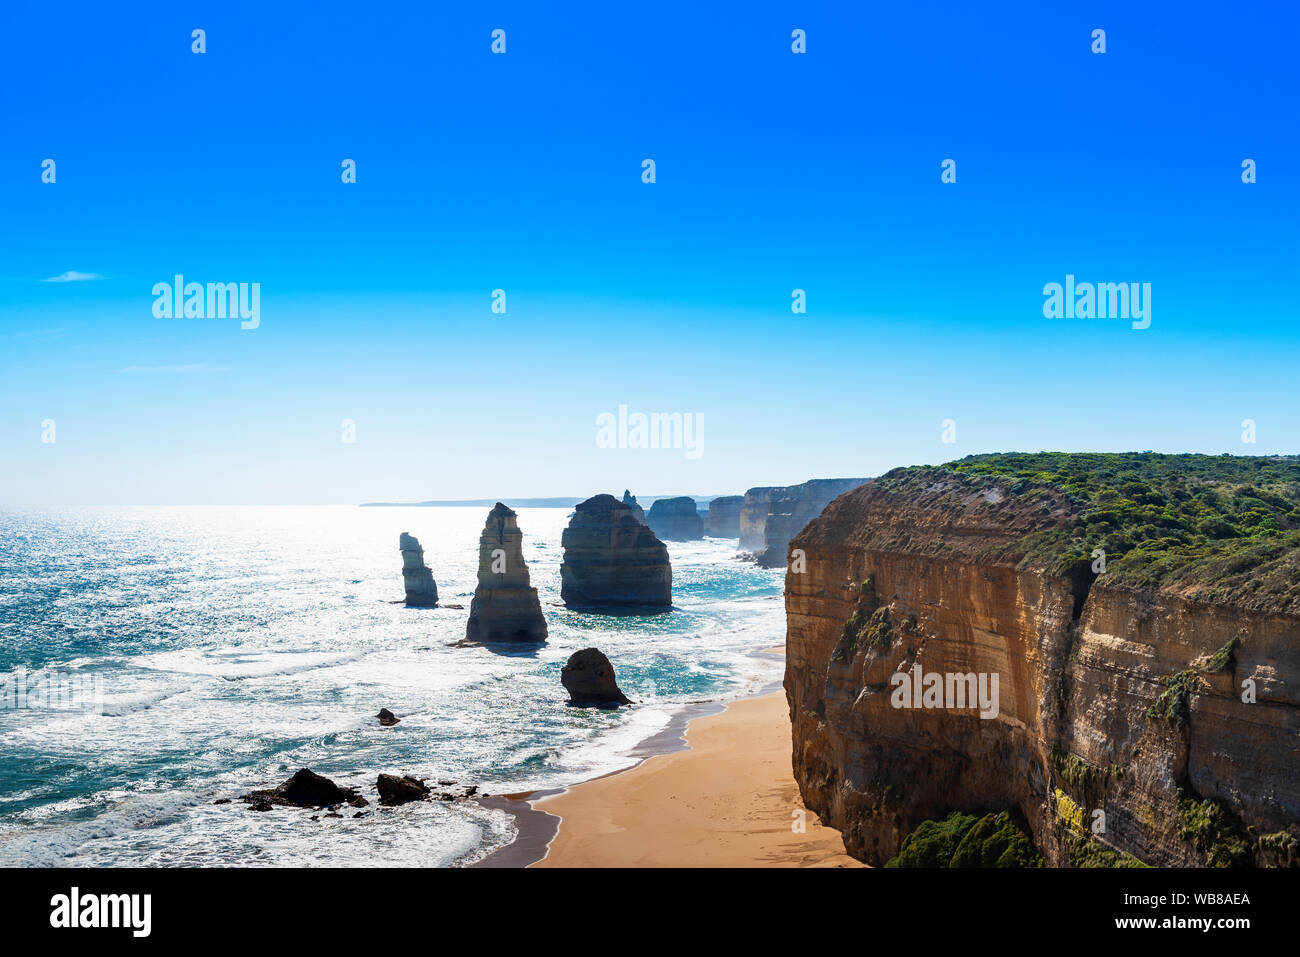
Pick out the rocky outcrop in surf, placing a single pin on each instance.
(675, 519)
(589, 678)
(723, 518)
(421, 591)
(305, 789)
(505, 605)
(613, 561)
(394, 790)
(1139, 613)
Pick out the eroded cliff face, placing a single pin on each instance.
(770, 517)
(1079, 665)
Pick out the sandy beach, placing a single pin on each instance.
(730, 800)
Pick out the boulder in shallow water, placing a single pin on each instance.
(589, 678)
(612, 561)
(305, 789)
(505, 605)
(394, 790)
(386, 718)
(421, 590)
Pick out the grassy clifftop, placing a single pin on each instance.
(1223, 528)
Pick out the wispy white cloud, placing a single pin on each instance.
(73, 276)
(195, 368)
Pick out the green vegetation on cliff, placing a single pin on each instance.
(964, 840)
(1211, 828)
(1226, 528)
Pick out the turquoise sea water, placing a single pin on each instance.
(230, 646)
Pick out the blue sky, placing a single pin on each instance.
(522, 172)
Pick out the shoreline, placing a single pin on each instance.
(713, 788)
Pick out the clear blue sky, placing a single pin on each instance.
(522, 171)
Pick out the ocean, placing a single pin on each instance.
(229, 646)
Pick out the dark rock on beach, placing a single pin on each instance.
(589, 679)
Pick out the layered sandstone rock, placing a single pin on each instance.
(505, 605)
(931, 569)
(612, 560)
(589, 678)
(676, 519)
(770, 517)
(421, 591)
(723, 517)
(630, 501)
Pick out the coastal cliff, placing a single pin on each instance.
(1126, 605)
(771, 516)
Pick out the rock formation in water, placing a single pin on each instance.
(630, 501)
(589, 679)
(723, 517)
(1125, 604)
(386, 718)
(505, 605)
(421, 591)
(305, 789)
(611, 560)
(770, 517)
(394, 790)
(675, 519)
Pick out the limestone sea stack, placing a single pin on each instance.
(505, 605)
(611, 560)
(676, 519)
(630, 500)
(589, 679)
(723, 517)
(421, 590)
